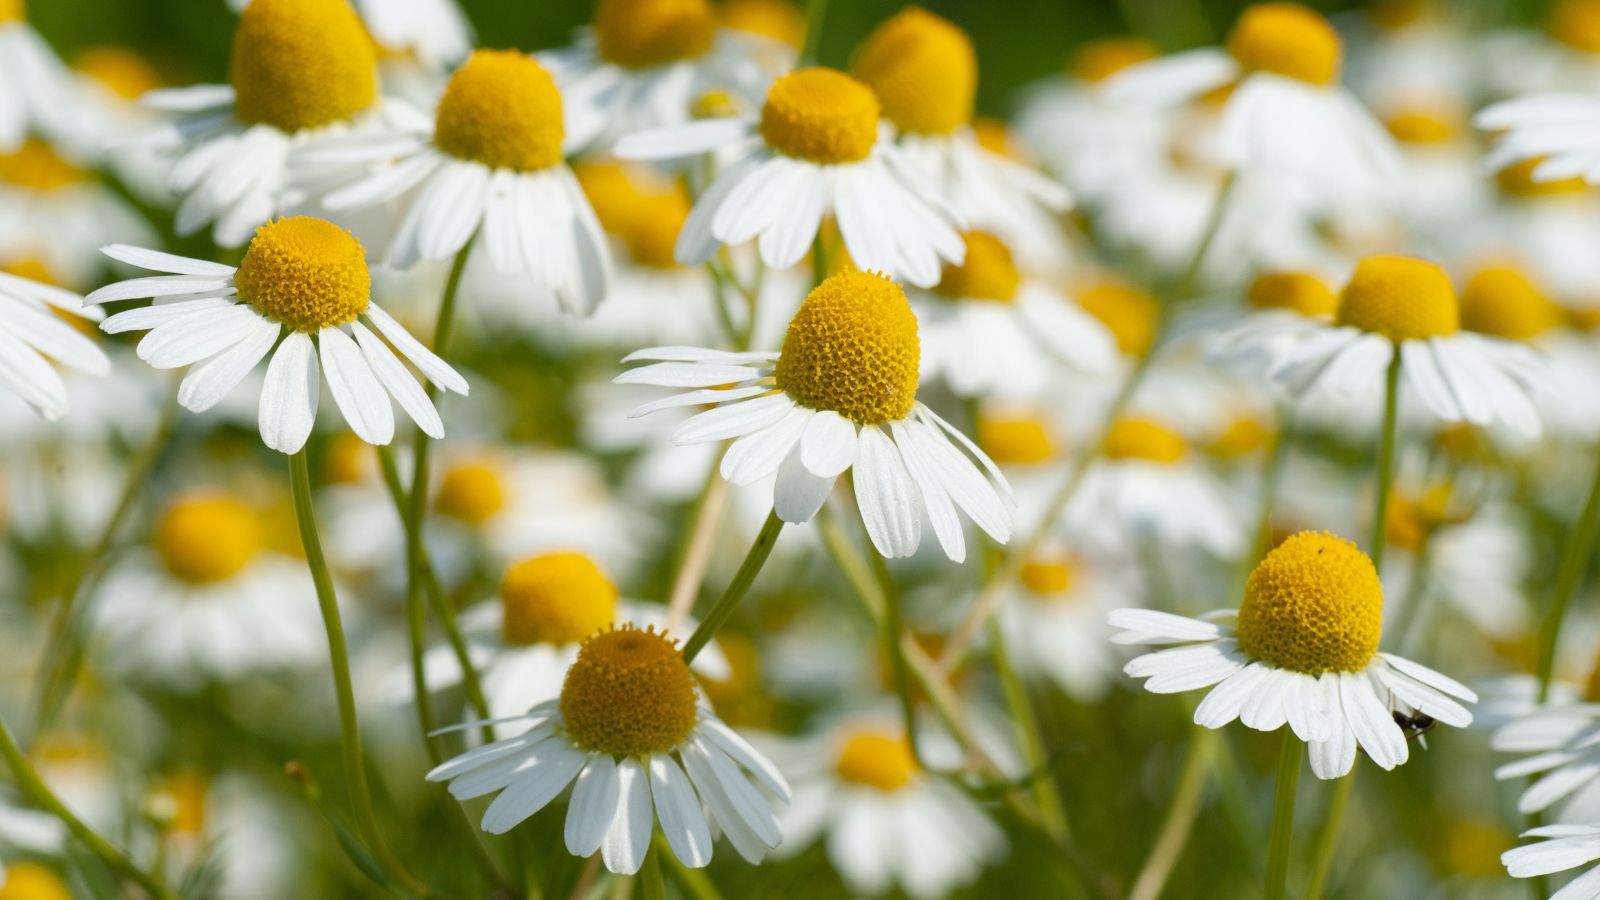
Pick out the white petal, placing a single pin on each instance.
(593, 806)
(886, 495)
(208, 383)
(682, 820)
(289, 395)
(355, 389)
(628, 839)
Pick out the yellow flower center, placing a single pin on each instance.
(821, 115)
(776, 19)
(207, 538)
(36, 166)
(1128, 313)
(186, 793)
(1517, 181)
(1244, 435)
(1576, 23)
(1145, 439)
(876, 760)
(1016, 440)
(640, 34)
(1313, 605)
(924, 69)
(501, 109)
(1420, 124)
(987, 272)
(1287, 39)
(12, 10)
(307, 273)
(301, 64)
(27, 880)
(653, 239)
(349, 459)
(994, 137)
(1411, 519)
(1400, 297)
(1098, 60)
(1501, 300)
(1472, 847)
(628, 694)
(556, 598)
(119, 70)
(852, 348)
(472, 492)
(1049, 576)
(1299, 292)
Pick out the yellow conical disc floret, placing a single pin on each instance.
(1420, 124)
(853, 348)
(1287, 39)
(207, 538)
(556, 598)
(1146, 440)
(1576, 23)
(1243, 435)
(924, 70)
(876, 760)
(119, 70)
(1400, 297)
(1098, 60)
(307, 273)
(301, 64)
(1016, 439)
(640, 34)
(821, 115)
(502, 109)
(1049, 576)
(471, 492)
(779, 20)
(31, 881)
(1127, 312)
(1518, 180)
(1501, 300)
(986, 273)
(36, 166)
(1299, 292)
(1313, 605)
(628, 694)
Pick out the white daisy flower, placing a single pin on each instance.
(1054, 621)
(1286, 114)
(37, 95)
(629, 732)
(1568, 847)
(56, 212)
(1560, 744)
(816, 148)
(925, 72)
(435, 31)
(301, 71)
(110, 82)
(234, 825)
(35, 328)
(304, 280)
(1279, 302)
(987, 330)
(1404, 305)
(646, 64)
(841, 395)
(1302, 649)
(490, 165)
(208, 600)
(29, 830)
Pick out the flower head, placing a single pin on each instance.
(300, 64)
(1313, 605)
(1300, 292)
(501, 109)
(821, 115)
(876, 760)
(1287, 39)
(629, 693)
(1400, 297)
(852, 348)
(207, 538)
(987, 272)
(924, 70)
(1502, 300)
(556, 598)
(642, 34)
(307, 273)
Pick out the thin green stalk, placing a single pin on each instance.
(816, 14)
(1385, 473)
(1328, 840)
(695, 882)
(1282, 818)
(753, 561)
(1575, 557)
(1411, 611)
(650, 881)
(1046, 792)
(40, 795)
(1271, 478)
(355, 768)
(1197, 260)
(1181, 814)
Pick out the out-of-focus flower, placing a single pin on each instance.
(35, 323)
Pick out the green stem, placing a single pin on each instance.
(1411, 611)
(1046, 793)
(1328, 840)
(1197, 260)
(753, 561)
(1385, 473)
(1271, 478)
(695, 882)
(650, 881)
(1282, 818)
(355, 769)
(1574, 563)
(1181, 815)
(816, 13)
(40, 795)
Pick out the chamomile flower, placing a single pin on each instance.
(986, 329)
(436, 32)
(304, 280)
(37, 96)
(633, 737)
(301, 71)
(207, 600)
(29, 830)
(841, 395)
(59, 213)
(1302, 649)
(1286, 113)
(925, 72)
(1404, 305)
(489, 165)
(644, 64)
(816, 148)
(35, 327)
(1559, 745)
(1054, 621)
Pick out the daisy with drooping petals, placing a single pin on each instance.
(816, 148)
(490, 165)
(630, 733)
(1286, 114)
(304, 280)
(925, 72)
(1302, 649)
(35, 88)
(841, 395)
(644, 64)
(33, 331)
(1407, 306)
(1568, 847)
(300, 71)
(208, 601)
(987, 330)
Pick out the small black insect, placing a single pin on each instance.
(1415, 725)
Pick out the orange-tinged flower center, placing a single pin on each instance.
(628, 694)
(472, 492)
(207, 538)
(308, 274)
(641, 34)
(853, 348)
(1313, 605)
